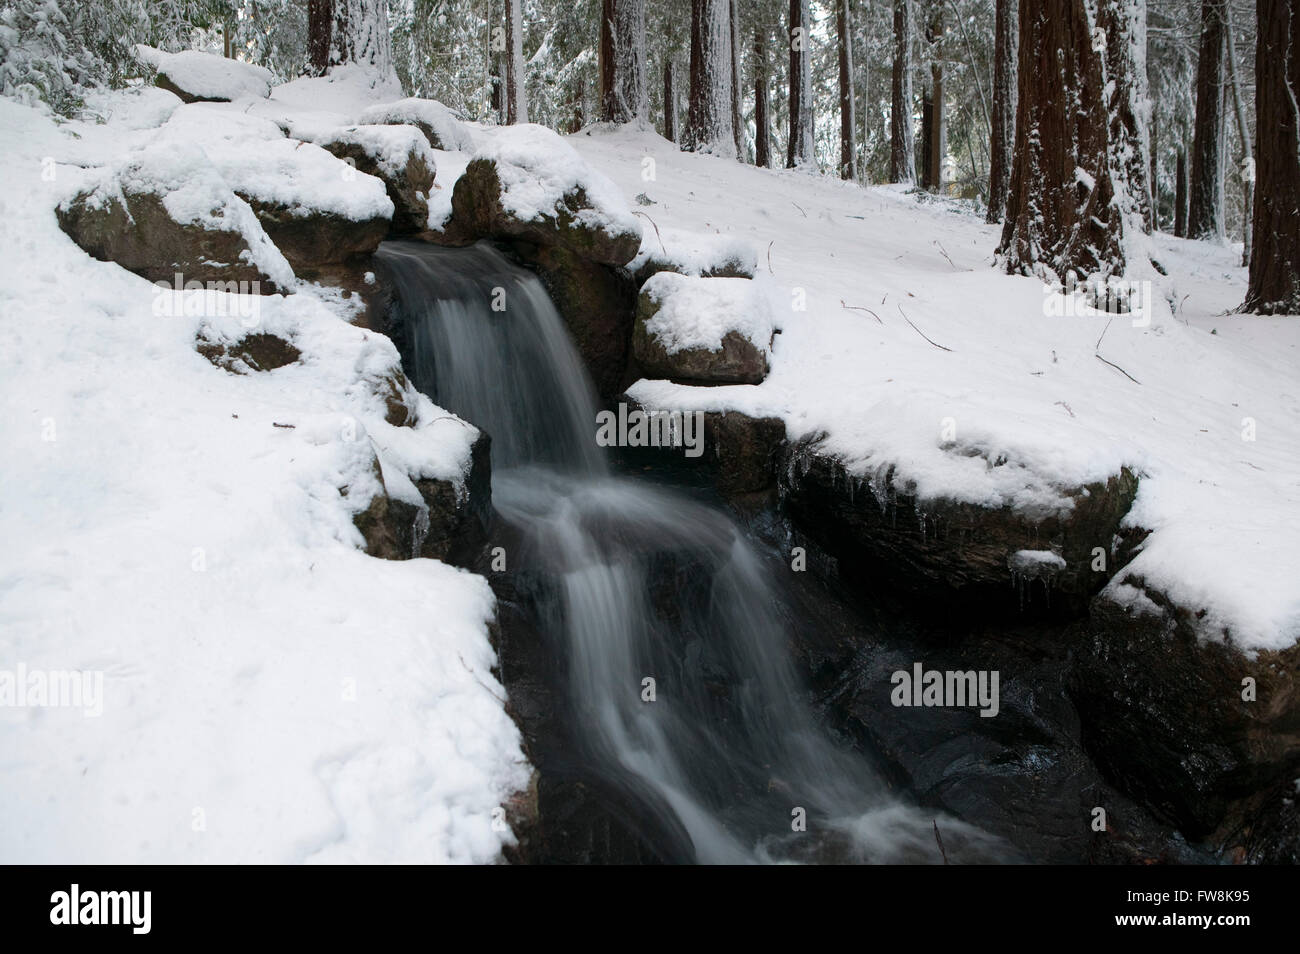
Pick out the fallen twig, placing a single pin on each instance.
(278, 424)
(922, 333)
(939, 841)
(944, 253)
(1117, 368)
(769, 256)
(1066, 406)
(657, 235)
(860, 308)
(796, 205)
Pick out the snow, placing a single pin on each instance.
(537, 169)
(699, 312)
(392, 147)
(451, 132)
(271, 694)
(1030, 410)
(694, 253)
(208, 76)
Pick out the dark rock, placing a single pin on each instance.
(737, 361)
(260, 351)
(1164, 715)
(135, 230)
(313, 239)
(955, 557)
(477, 210)
(460, 519)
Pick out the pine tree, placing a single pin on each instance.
(623, 63)
(1205, 214)
(516, 92)
(708, 125)
(848, 121)
(802, 143)
(1004, 107)
(902, 156)
(1274, 287)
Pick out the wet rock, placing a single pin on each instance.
(1164, 713)
(314, 240)
(959, 558)
(260, 351)
(596, 302)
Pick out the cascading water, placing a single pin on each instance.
(725, 747)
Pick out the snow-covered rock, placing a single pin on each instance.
(715, 330)
(438, 123)
(167, 212)
(400, 157)
(700, 254)
(196, 76)
(525, 182)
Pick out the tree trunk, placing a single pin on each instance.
(1069, 202)
(622, 61)
(1125, 26)
(737, 89)
(1180, 194)
(516, 94)
(1275, 262)
(902, 158)
(320, 24)
(670, 103)
(708, 120)
(933, 145)
(1205, 215)
(1247, 151)
(848, 120)
(1004, 107)
(802, 144)
(762, 142)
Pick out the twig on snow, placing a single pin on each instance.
(860, 308)
(922, 333)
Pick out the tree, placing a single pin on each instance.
(320, 28)
(902, 157)
(933, 142)
(848, 121)
(762, 142)
(670, 103)
(737, 86)
(708, 121)
(1071, 206)
(348, 31)
(1205, 214)
(802, 143)
(1004, 106)
(623, 73)
(516, 94)
(1180, 194)
(1274, 287)
(1243, 130)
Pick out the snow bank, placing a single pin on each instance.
(270, 694)
(208, 76)
(694, 253)
(698, 312)
(392, 147)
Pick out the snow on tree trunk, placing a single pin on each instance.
(848, 121)
(708, 123)
(360, 34)
(737, 87)
(1004, 106)
(1275, 262)
(801, 144)
(623, 74)
(762, 140)
(1205, 214)
(1125, 23)
(1247, 151)
(902, 156)
(516, 94)
(1071, 208)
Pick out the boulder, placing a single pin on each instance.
(259, 351)
(958, 558)
(439, 125)
(167, 213)
(699, 254)
(397, 155)
(1168, 713)
(526, 183)
(702, 330)
(198, 77)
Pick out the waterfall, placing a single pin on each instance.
(698, 710)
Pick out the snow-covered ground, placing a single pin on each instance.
(269, 692)
(1214, 425)
(272, 694)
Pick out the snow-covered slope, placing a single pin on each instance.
(269, 693)
(1214, 424)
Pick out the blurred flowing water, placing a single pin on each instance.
(645, 582)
